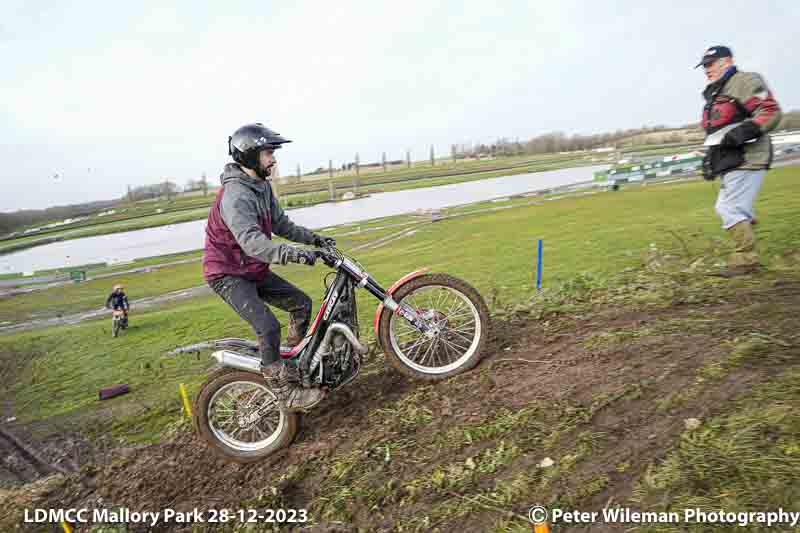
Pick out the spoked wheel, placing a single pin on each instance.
(460, 321)
(241, 419)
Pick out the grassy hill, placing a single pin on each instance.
(639, 380)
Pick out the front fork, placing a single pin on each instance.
(422, 322)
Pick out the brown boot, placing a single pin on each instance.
(744, 260)
(282, 378)
(300, 399)
(294, 329)
(293, 339)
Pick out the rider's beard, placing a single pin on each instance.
(265, 172)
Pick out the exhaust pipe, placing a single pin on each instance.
(253, 364)
(238, 361)
(338, 327)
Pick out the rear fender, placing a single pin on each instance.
(397, 284)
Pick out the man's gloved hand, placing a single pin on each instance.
(323, 242)
(741, 134)
(300, 256)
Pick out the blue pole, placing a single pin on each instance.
(539, 267)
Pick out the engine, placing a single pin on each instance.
(339, 354)
(339, 366)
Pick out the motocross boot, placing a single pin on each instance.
(299, 318)
(283, 379)
(293, 339)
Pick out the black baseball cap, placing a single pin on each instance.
(714, 53)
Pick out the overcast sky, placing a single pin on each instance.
(107, 94)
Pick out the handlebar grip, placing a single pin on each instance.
(327, 258)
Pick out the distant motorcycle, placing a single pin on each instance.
(119, 321)
(430, 325)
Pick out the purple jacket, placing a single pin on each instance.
(240, 226)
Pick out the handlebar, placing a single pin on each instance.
(328, 258)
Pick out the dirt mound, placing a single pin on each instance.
(601, 395)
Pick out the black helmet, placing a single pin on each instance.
(246, 142)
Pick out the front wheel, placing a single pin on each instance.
(461, 328)
(240, 418)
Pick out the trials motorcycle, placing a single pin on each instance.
(119, 321)
(431, 326)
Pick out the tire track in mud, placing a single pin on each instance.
(22, 461)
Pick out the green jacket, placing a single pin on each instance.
(743, 96)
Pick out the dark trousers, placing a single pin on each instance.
(249, 299)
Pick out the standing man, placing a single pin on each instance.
(742, 110)
(239, 249)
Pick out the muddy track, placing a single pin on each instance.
(15, 467)
(20, 462)
(611, 389)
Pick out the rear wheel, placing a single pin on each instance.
(460, 320)
(240, 418)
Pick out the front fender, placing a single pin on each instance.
(397, 284)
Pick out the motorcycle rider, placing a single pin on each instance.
(239, 249)
(119, 300)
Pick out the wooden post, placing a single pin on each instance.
(408, 158)
(330, 168)
(433, 159)
(355, 179)
(383, 159)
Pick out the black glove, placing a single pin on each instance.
(300, 256)
(323, 242)
(741, 134)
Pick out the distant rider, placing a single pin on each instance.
(119, 300)
(239, 249)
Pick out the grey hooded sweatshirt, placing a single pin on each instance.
(240, 226)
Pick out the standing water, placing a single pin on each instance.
(188, 236)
